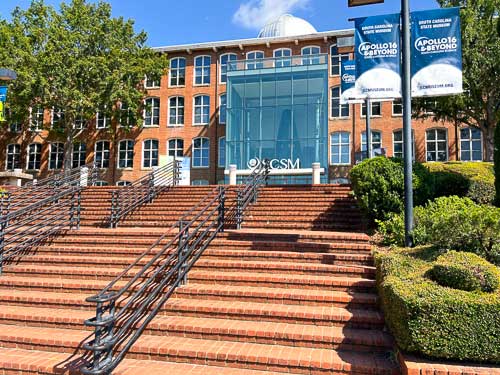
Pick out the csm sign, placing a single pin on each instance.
(275, 163)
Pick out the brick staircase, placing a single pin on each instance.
(260, 301)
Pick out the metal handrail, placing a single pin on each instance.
(123, 314)
(144, 190)
(23, 228)
(85, 175)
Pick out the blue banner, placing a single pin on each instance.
(348, 89)
(436, 52)
(378, 56)
(3, 99)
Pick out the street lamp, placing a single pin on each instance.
(406, 99)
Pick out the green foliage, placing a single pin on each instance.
(378, 184)
(497, 162)
(451, 223)
(465, 271)
(433, 320)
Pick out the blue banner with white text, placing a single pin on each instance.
(3, 99)
(349, 91)
(436, 52)
(377, 55)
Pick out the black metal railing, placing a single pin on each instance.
(24, 226)
(144, 190)
(85, 175)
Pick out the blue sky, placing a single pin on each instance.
(169, 22)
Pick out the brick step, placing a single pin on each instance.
(203, 263)
(233, 355)
(296, 335)
(323, 226)
(263, 234)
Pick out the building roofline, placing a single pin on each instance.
(254, 41)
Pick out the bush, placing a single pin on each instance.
(497, 160)
(433, 320)
(465, 271)
(451, 223)
(378, 184)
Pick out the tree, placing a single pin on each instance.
(479, 106)
(76, 62)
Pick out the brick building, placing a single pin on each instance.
(189, 113)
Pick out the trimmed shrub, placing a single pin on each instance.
(497, 156)
(433, 320)
(465, 271)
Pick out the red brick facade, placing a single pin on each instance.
(386, 123)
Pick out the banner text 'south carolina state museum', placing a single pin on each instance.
(378, 56)
(436, 52)
(349, 91)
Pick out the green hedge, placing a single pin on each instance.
(433, 320)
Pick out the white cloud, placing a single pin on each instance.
(254, 14)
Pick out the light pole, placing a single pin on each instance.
(406, 99)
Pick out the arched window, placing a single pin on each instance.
(126, 154)
(56, 155)
(312, 53)
(152, 112)
(201, 152)
(201, 112)
(471, 144)
(13, 157)
(79, 154)
(176, 111)
(123, 183)
(282, 57)
(224, 60)
(376, 142)
(101, 154)
(202, 70)
(177, 72)
(34, 156)
(340, 148)
(150, 153)
(254, 60)
(336, 60)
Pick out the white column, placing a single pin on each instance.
(232, 174)
(316, 173)
(84, 176)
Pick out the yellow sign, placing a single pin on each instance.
(2, 112)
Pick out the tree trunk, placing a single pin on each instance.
(68, 152)
(489, 142)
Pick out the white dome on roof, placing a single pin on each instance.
(286, 25)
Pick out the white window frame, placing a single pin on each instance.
(373, 131)
(436, 142)
(202, 148)
(221, 65)
(392, 105)
(152, 111)
(36, 153)
(220, 107)
(104, 151)
(130, 116)
(339, 56)
(37, 126)
(282, 59)
(413, 146)
(15, 127)
(13, 154)
(307, 59)
(330, 109)
(149, 87)
(78, 152)
(199, 182)
(470, 140)
(371, 104)
(59, 155)
(101, 183)
(123, 183)
(202, 106)
(177, 107)
(341, 147)
(202, 67)
(106, 119)
(178, 70)
(150, 153)
(176, 148)
(52, 115)
(127, 151)
(256, 64)
(219, 164)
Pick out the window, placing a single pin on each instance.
(101, 183)
(176, 111)
(471, 144)
(56, 155)
(177, 71)
(123, 183)
(79, 154)
(80, 122)
(376, 109)
(224, 60)
(202, 70)
(15, 127)
(337, 109)
(201, 111)
(436, 142)
(103, 118)
(201, 150)
(376, 142)
(222, 152)
(286, 53)
(222, 108)
(152, 81)
(57, 118)
(253, 58)
(34, 156)
(13, 157)
(36, 118)
(336, 60)
(397, 144)
(152, 112)
(126, 154)
(101, 155)
(127, 117)
(199, 182)
(397, 107)
(340, 148)
(176, 147)
(150, 153)
(311, 51)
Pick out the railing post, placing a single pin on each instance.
(239, 213)
(176, 172)
(222, 203)
(78, 207)
(115, 208)
(94, 175)
(4, 211)
(103, 332)
(267, 170)
(151, 187)
(182, 251)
